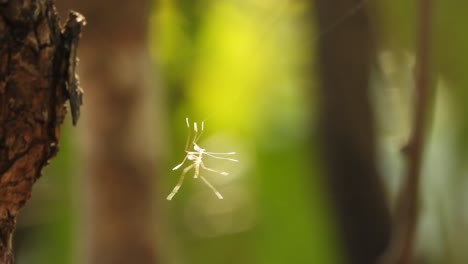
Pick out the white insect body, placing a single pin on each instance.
(196, 156)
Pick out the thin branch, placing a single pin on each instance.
(406, 218)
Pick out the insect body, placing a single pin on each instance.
(196, 156)
(71, 38)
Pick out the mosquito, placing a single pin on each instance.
(196, 157)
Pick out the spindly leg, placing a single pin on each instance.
(179, 183)
(211, 187)
(220, 153)
(213, 170)
(216, 157)
(197, 169)
(180, 164)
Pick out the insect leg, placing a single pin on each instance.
(180, 164)
(220, 153)
(211, 187)
(197, 169)
(213, 170)
(216, 157)
(179, 183)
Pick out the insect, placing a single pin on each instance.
(196, 157)
(71, 38)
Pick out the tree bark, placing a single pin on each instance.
(35, 64)
(347, 129)
(119, 139)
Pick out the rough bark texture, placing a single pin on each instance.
(34, 60)
(347, 130)
(119, 149)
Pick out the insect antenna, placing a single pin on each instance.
(187, 142)
(195, 127)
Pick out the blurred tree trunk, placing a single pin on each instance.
(119, 151)
(34, 74)
(347, 129)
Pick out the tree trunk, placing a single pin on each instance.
(37, 59)
(119, 138)
(347, 129)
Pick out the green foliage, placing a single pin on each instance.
(245, 80)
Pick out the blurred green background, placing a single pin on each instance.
(245, 68)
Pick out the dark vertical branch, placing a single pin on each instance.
(347, 129)
(406, 217)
